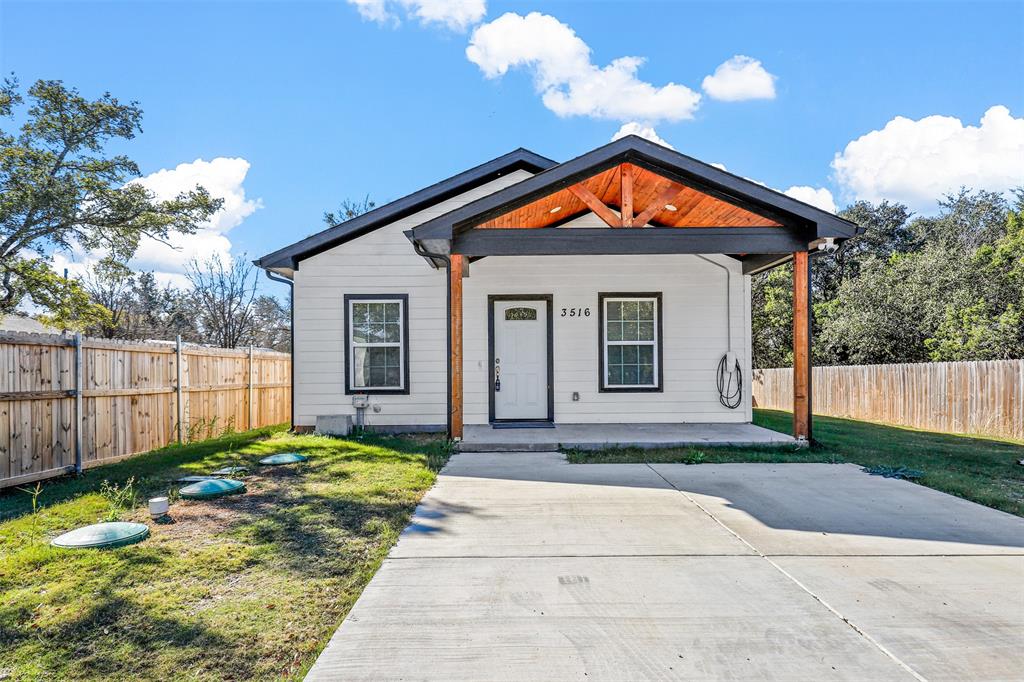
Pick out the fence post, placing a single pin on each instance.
(250, 389)
(79, 417)
(177, 388)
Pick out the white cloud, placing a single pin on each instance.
(569, 83)
(224, 179)
(917, 162)
(457, 15)
(740, 78)
(640, 130)
(819, 197)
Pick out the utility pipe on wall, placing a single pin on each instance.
(729, 396)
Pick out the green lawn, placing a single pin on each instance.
(248, 587)
(978, 469)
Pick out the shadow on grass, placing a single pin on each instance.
(132, 612)
(110, 638)
(151, 470)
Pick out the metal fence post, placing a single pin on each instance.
(251, 406)
(177, 389)
(79, 417)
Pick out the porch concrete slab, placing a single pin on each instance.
(572, 618)
(486, 438)
(537, 504)
(838, 509)
(947, 618)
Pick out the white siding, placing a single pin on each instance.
(381, 262)
(694, 321)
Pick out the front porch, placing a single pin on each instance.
(486, 438)
(625, 208)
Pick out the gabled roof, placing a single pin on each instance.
(817, 223)
(288, 257)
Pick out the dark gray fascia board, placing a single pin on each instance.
(638, 150)
(289, 256)
(648, 241)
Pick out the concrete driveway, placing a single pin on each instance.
(524, 567)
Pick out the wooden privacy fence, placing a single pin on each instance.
(73, 403)
(979, 398)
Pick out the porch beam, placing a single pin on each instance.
(664, 197)
(626, 192)
(455, 276)
(556, 241)
(600, 209)
(802, 345)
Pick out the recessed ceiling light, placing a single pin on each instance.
(670, 207)
(556, 209)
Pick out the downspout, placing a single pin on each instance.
(273, 276)
(420, 251)
(728, 299)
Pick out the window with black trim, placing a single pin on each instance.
(376, 343)
(630, 353)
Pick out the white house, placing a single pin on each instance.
(610, 289)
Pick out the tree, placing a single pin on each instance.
(224, 295)
(966, 221)
(910, 289)
(271, 326)
(991, 325)
(771, 296)
(138, 307)
(349, 209)
(886, 231)
(60, 191)
(886, 314)
(111, 285)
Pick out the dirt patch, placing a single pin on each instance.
(198, 522)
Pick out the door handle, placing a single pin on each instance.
(497, 375)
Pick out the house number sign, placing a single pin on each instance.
(575, 312)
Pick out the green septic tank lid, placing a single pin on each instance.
(230, 471)
(214, 487)
(284, 458)
(193, 479)
(102, 535)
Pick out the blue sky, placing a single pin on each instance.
(323, 103)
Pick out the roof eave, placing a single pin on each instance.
(633, 148)
(291, 255)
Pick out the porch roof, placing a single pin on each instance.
(682, 204)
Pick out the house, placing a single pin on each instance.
(25, 325)
(610, 289)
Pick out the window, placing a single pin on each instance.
(630, 354)
(376, 341)
(520, 314)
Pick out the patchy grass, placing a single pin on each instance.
(977, 469)
(246, 587)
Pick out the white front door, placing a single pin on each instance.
(520, 368)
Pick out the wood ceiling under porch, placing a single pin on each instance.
(628, 195)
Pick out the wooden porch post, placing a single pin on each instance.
(802, 345)
(455, 272)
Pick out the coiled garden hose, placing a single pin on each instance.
(730, 396)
